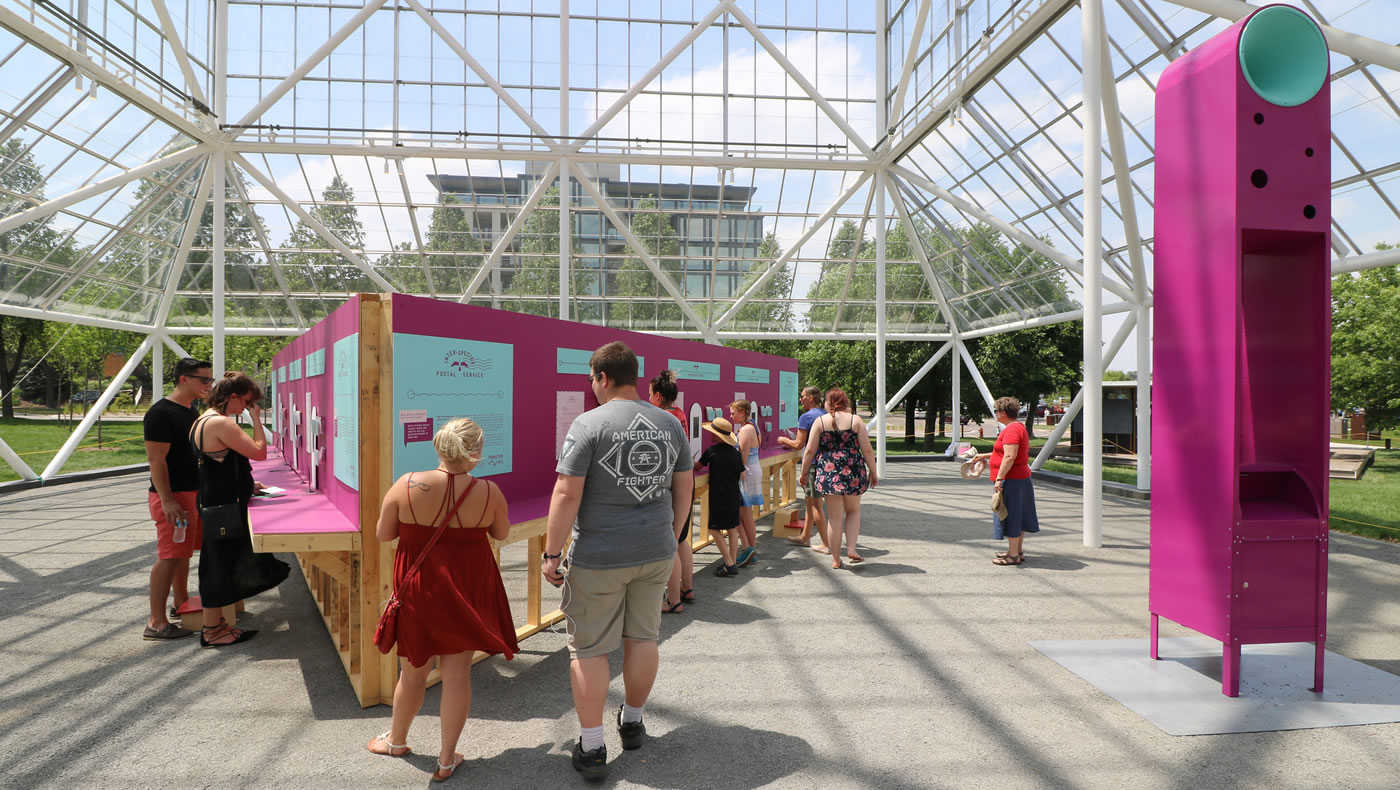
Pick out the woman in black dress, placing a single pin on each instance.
(229, 569)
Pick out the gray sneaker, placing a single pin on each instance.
(170, 631)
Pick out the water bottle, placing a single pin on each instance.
(180, 525)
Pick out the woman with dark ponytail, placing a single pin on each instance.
(680, 589)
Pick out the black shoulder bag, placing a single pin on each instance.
(219, 522)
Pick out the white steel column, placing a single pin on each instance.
(76, 438)
(881, 408)
(218, 267)
(1091, 13)
(978, 380)
(956, 435)
(221, 58)
(157, 371)
(566, 241)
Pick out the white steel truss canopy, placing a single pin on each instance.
(735, 169)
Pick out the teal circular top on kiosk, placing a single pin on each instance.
(1283, 55)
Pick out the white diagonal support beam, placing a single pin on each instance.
(49, 207)
(76, 438)
(1362, 48)
(417, 232)
(172, 37)
(95, 256)
(72, 318)
(796, 76)
(12, 459)
(313, 223)
(1007, 228)
(1011, 45)
(910, 56)
(913, 381)
(261, 233)
(486, 76)
(182, 253)
(626, 230)
(1072, 410)
(782, 260)
(56, 83)
(90, 68)
(1370, 260)
(312, 60)
(503, 243)
(651, 73)
(976, 377)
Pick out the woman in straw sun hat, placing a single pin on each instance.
(726, 465)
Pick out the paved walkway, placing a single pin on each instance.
(910, 671)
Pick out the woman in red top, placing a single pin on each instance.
(1011, 475)
(680, 590)
(455, 604)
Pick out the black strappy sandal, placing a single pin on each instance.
(214, 630)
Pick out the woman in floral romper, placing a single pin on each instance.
(839, 453)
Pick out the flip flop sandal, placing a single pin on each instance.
(444, 772)
(671, 608)
(854, 560)
(1008, 560)
(388, 747)
(688, 596)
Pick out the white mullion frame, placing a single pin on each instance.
(32, 103)
(1002, 225)
(49, 207)
(311, 62)
(851, 263)
(120, 232)
(626, 230)
(261, 233)
(782, 260)
(417, 233)
(921, 255)
(172, 37)
(503, 243)
(315, 224)
(996, 286)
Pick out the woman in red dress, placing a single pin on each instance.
(455, 604)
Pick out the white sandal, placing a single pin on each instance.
(384, 736)
(444, 772)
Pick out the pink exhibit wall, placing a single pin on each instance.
(545, 356)
(308, 366)
(1241, 343)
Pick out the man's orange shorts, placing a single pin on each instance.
(166, 547)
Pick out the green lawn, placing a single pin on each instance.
(1370, 506)
(37, 441)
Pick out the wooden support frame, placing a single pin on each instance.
(350, 575)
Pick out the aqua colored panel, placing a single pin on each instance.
(751, 375)
(438, 379)
(694, 371)
(572, 360)
(294, 370)
(1283, 56)
(282, 375)
(316, 363)
(345, 425)
(788, 392)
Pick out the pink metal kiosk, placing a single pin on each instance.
(1241, 350)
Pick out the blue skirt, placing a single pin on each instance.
(1019, 498)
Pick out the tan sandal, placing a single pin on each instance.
(389, 748)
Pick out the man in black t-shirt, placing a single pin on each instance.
(174, 483)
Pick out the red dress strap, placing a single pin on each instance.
(437, 534)
(486, 507)
(410, 498)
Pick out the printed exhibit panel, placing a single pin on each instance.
(316, 407)
(524, 379)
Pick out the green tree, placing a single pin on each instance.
(1366, 344)
(643, 303)
(538, 274)
(770, 309)
(311, 267)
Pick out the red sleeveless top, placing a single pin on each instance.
(456, 601)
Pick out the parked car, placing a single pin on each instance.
(87, 396)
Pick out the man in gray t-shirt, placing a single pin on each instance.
(623, 493)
